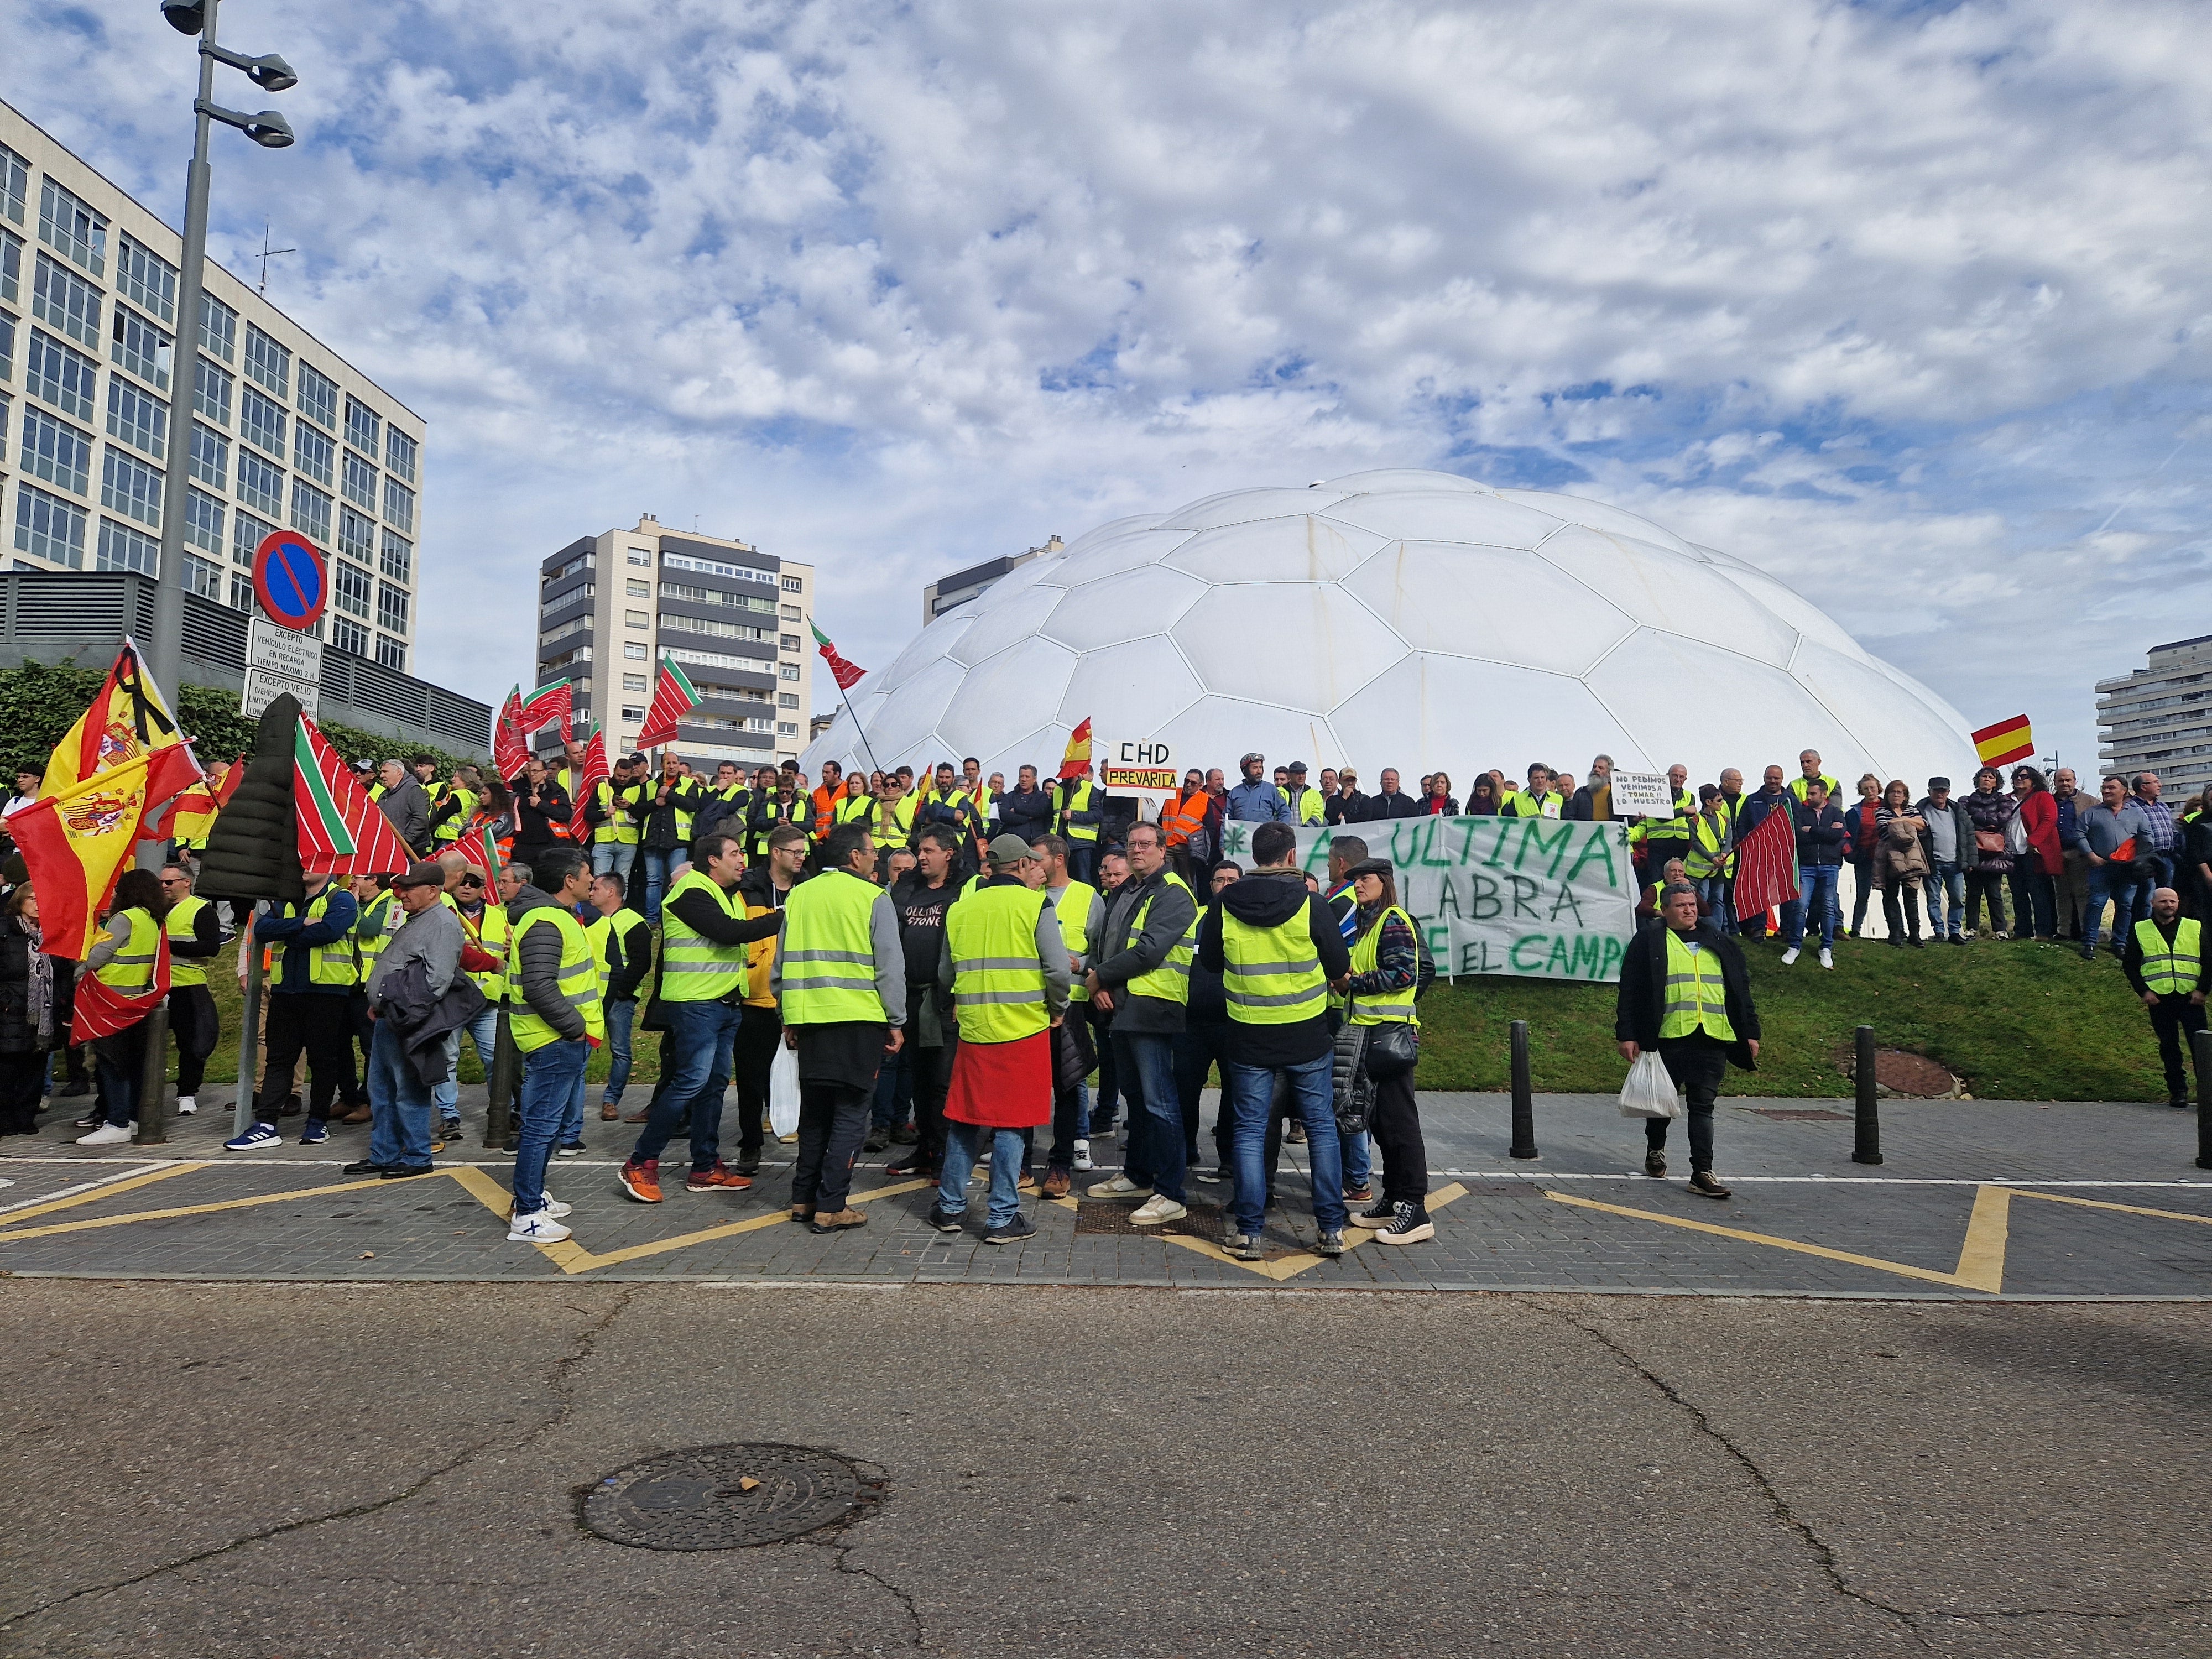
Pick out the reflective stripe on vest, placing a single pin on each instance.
(130, 970)
(1680, 827)
(373, 931)
(1270, 975)
(450, 830)
(1073, 908)
(693, 968)
(1696, 995)
(579, 980)
(1385, 1005)
(337, 963)
(854, 808)
(1078, 800)
(829, 951)
(185, 970)
(2171, 969)
(1706, 857)
(1170, 980)
(616, 802)
(998, 982)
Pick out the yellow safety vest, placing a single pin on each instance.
(1077, 800)
(131, 974)
(2171, 969)
(1170, 980)
(903, 813)
(450, 830)
(1383, 1006)
(579, 980)
(998, 981)
(601, 934)
(337, 963)
(488, 931)
(1696, 996)
(1270, 975)
(1523, 804)
(829, 951)
(185, 970)
(618, 802)
(1678, 828)
(1310, 805)
(693, 968)
(373, 931)
(1074, 908)
(1708, 854)
(854, 809)
(1797, 785)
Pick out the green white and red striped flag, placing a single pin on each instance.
(847, 674)
(672, 698)
(341, 831)
(548, 705)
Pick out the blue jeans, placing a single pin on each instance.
(572, 1120)
(894, 1089)
(2119, 883)
(1946, 886)
(1816, 884)
(483, 1032)
(1007, 1151)
(1359, 1162)
(1143, 1062)
(1250, 1089)
(606, 854)
(551, 1077)
(702, 1036)
(399, 1106)
(621, 1015)
(657, 861)
(1713, 890)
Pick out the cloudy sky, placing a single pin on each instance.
(1903, 302)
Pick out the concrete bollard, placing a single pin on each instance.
(1866, 1145)
(1525, 1099)
(2200, 1044)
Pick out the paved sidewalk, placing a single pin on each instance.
(1976, 1198)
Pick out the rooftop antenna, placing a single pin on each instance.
(266, 254)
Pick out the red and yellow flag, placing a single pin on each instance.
(76, 845)
(1078, 756)
(128, 718)
(2006, 741)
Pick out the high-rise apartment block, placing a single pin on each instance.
(2159, 719)
(736, 620)
(285, 433)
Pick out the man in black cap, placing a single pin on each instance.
(398, 1100)
(1307, 805)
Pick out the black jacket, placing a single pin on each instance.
(658, 821)
(721, 814)
(533, 825)
(1026, 813)
(19, 1025)
(420, 1020)
(1395, 805)
(1344, 809)
(1642, 996)
(1271, 898)
(1821, 836)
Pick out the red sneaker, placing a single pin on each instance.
(706, 1181)
(640, 1181)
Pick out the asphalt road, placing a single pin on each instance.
(308, 1470)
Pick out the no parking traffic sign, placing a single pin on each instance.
(290, 579)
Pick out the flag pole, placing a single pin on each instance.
(859, 730)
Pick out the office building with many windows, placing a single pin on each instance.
(2159, 719)
(736, 620)
(285, 433)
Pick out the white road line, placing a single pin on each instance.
(82, 1186)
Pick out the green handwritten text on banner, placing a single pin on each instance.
(1544, 898)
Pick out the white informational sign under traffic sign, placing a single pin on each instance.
(1642, 795)
(1145, 770)
(279, 660)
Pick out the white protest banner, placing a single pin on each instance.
(1542, 898)
(1145, 770)
(1642, 795)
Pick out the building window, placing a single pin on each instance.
(204, 579)
(57, 451)
(392, 653)
(140, 419)
(48, 527)
(789, 642)
(310, 512)
(549, 606)
(261, 422)
(60, 296)
(636, 589)
(268, 363)
(204, 523)
(211, 392)
(11, 267)
(356, 539)
(632, 713)
(218, 327)
(640, 556)
(350, 589)
(61, 374)
(210, 456)
(792, 584)
(141, 349)
(122, 548)
(319, 396)
(716, 596)
(313, 453)
(399, 452)
(72, 229)
(568, 629)
(129, 485)
(348, 637)
(787, 671)
(399, 558)
(787, 700)
(15, 183)
(635, 652)
(146, 279)
(787, 728)
(634, 682)
(359, 485)
(260, 484)
(392, 607)
(246, 535)
(7, 346)
(790, 613)
(363, 426)
(636, 619)
(399, 505)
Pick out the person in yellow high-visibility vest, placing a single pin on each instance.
(1685, 996)
(1385, 978)
(310, 1009)
(123, 958)
(2164, 961)
(556, 1019)
(195, 931)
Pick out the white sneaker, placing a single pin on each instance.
(555, 1208)
(537, 1228)
(1083, 1156)
(186, 1105)
(107, 1134)
(1827, 958)
(1156, 1209)
(1119, 1187)
(1790, 956)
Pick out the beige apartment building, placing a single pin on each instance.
(736, 620)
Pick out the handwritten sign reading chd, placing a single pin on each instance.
(1544, 898)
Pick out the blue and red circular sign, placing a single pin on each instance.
(290, 578)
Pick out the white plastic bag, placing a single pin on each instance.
(783, 1092)
(1650, 1092)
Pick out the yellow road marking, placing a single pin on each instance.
(12, 1237)
(104, 1190)
(1290, 1266)
(2125, 1209)
(1982, 1256)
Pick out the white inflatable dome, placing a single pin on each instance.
(1400, 618)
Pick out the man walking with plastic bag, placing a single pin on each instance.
(1685, 996)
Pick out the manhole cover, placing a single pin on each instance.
(720, 1497)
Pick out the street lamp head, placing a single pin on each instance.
(272, 74)
(185, 16)
(269, 130)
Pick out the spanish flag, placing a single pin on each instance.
(2006, 741)
(128, 719)
(1078, 756)
(76, 845)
